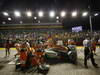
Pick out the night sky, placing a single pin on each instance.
(48, 4)
(58, 5)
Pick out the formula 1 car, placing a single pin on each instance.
(64, 53)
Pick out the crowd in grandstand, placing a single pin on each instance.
(45, 35)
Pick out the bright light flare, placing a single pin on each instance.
(35, 18)
(29, 14)
(96, 14)
(40, 14)
(85, 14)
(17, 13)
(5, 14)
(63, 14)
(9, 19)
(52, 14)
(74, 14)
(57, 17)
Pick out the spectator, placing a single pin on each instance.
(88, 53)
(7, 46)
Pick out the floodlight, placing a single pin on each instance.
(96, 14)
(5, 14)
(85, 14)
(17, 13)
(9, 19)
(74, 14)
(52, 14)
(63, 14)
(40, 13)
(35, 18)
(29, 14)
(57, 17)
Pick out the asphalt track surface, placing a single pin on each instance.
(7, 66)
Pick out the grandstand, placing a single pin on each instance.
(30, 31)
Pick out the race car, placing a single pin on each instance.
(68, 53)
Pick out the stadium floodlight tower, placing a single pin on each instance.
(17, 13)
(5, 14)
(74, 13)
(29, 13)
(84, 14)
(52, 14)
(40, 13)
(63, 14)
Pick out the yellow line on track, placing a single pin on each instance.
(78, 47)
(10, 48)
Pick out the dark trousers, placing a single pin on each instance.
(7, 51)
(88, 54)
